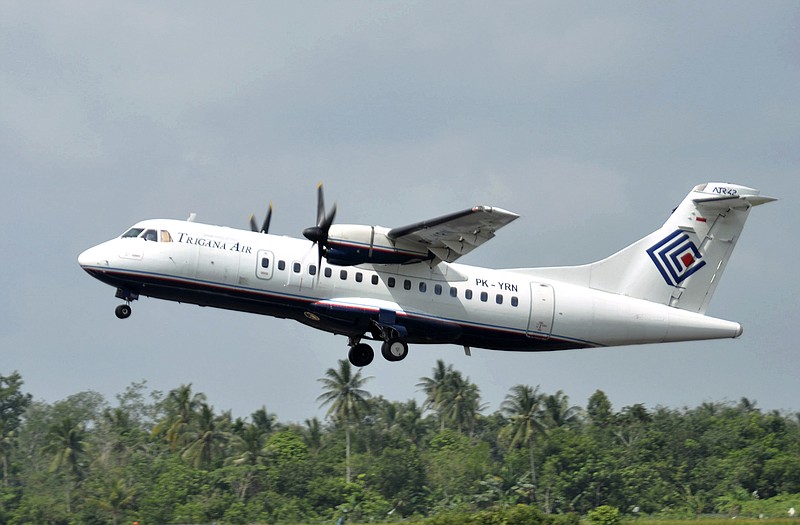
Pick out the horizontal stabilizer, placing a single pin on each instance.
(681, 263)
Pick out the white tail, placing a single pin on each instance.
(681, 263)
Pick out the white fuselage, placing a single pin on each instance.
(441, 303)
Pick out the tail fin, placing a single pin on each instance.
(681, 263)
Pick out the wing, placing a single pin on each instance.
(450, 236)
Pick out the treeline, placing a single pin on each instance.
(174, 458)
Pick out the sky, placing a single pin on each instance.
(591, 121)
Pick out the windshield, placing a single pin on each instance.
(133, 232)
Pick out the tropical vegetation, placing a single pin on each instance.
(174, 458)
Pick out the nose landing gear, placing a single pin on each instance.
(123, 311)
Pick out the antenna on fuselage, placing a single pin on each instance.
(192, 217)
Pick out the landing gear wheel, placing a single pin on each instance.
(394, 349)
(123, 311)
(360, 355)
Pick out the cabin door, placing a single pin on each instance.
(540, 321)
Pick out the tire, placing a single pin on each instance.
(394, 349)
(123, 311)
(361, 355)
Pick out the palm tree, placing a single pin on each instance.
(247, 448)
(313, 434)
(205, 438)
(344, 392)
(462, 402)
(266, 421)
(181, 408)
(523, 406)
(65, 442)
(558, 412)
(435, 389)
(454, 398)
(116, 496)
(410, 421)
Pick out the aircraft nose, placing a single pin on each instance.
(92, 257)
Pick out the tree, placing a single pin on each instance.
(435, 389)
(13, 404)
(265, 421)
(114, 498)
(523, 406)
(462, 402)
(344, 392)
(65, 442)
(181, 407)
(599, 409)
(454, 398)
(205, 438)
(558, 412)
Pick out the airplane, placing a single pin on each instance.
(402, 285)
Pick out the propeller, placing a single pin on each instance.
(319, 234)
(265, 226)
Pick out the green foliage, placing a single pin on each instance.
(540, 460)
(604, 515)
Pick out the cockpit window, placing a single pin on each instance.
(133, 232)
(150, 235)
(165, 236)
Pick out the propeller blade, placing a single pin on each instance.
(265, 226)
(318, 234)
(320, 205)
(328, 221)
(253, 226)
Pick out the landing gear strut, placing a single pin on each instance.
(123, 311)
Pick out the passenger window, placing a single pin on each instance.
(484, 296)
(514, 300)
(390, 282)
(312, 269)
(296, 267)
(437, 289)
(406, 284)
(150, 235)
(265, 262)
(328, 272)
(423, 287)
(343, 275)
(498, 299)
(468, 294)
(281, 265)
(453, 291)
(359, 277)
(374, 279)
(165, 236)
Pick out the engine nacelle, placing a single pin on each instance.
(351, 244)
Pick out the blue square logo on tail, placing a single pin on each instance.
(676, 257)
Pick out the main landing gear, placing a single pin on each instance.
(123, 311)
(361, 354)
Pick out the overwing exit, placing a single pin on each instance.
(402, 286)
